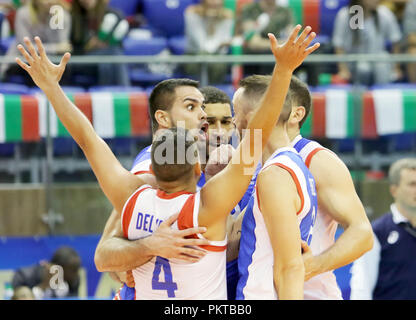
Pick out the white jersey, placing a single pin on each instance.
(161, 278)
(323, 286)
(256, 258)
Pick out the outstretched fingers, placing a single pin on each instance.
(22, 64)
(31, 48)
(294, 34)
(309, 50)
(25, 54)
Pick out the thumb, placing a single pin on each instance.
(65, 60)
(273, 42)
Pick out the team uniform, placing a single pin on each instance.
(141, 165)
(160, 278)
(255, 261)
(323, 286)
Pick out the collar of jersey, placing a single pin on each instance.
(163, 195)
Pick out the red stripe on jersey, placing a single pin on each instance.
(186, 220)
(128, 211)
(142, 172)
(30, 118)
(297, 183)
(310, 155)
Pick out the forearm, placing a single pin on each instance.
(352, 244)
(119, 255)
(266, 116)
(289, 282)
(71, 117)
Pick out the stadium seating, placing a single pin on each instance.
(13, 88)
(153, 46)
(166, 15)
(128, 8)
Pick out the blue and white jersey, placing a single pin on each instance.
(256, 259)
(324, 286)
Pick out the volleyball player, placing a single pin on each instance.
(216, 201)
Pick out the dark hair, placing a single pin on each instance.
(214, 95)
(174, 154)
(298, 94)
(163, 94)
(301, 96)
(64, 256)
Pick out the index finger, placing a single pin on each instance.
(171, 220)
(294, 33)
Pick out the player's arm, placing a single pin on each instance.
(108, 170)
(223, 191)
(279, 203)
(338, 198)
(117, 254)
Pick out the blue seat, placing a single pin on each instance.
(7, 150)
(403, 141)
(177, 45)
(63, 147)
(151, 46)
(128, 8)
(115, 89)
(142, 75)
(328, 11)
(13, 88)
(166, 15)
(6, 43)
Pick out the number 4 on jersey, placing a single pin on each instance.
(168, 285)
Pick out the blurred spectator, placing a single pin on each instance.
(99, 30)
(34, 19)
(378, 27)
(387, 272)
(397, 7)
(23, 293)
(208, 30)
(47, 281)
(259, 18)
(409, 29)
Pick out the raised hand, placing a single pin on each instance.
(293, 52)
(43, 72)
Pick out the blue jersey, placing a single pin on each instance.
(255, 261)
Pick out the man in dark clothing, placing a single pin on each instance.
(54, 279)
(387, 272)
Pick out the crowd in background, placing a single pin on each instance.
(211, 28)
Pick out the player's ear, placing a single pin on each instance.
(297, 114)
(163, 119)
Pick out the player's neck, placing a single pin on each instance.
(177, 186)
(293, 132)
(278, 139)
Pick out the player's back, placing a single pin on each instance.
(161, 278)
(256, 256)
(323, 286)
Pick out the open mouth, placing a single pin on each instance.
(203, 131)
